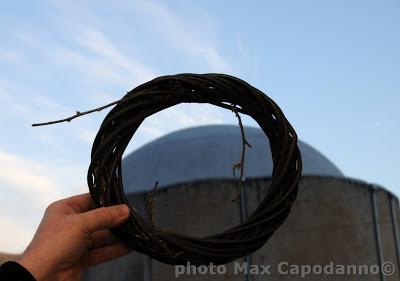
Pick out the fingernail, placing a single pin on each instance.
(123, 210)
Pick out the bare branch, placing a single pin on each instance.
(151, 202)
(240, 165)
(77, 114)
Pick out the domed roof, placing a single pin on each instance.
(208, 152)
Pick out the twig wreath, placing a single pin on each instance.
(105, 177)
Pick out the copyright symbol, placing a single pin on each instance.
(388, 268)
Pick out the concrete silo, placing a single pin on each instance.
(335, 221)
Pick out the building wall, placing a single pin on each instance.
(331, 221)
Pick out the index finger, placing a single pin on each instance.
(79, 203)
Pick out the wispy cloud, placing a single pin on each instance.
(14, 237)
(21, 175)
(27, 187)
(26, 104)
(92, 68)
(152, 131)
(100, 59)
(86, 135)
(177, 117)
(30, 108)
(99, 44)
(246, 54)
(175, 30)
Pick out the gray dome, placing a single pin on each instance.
(208, 152)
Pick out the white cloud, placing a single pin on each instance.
(35, 108)
(21, 175)
(86, 135)
(100, 60)
(187, 115)
(27, 105)
(182, 38)
(174, 118)
(27, 188)
(98, 43)
(14, 236)
(98, 69)
(152, 131)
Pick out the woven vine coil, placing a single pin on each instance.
(105, 177)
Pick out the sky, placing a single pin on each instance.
(332, 66)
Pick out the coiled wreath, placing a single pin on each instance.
(105, 178)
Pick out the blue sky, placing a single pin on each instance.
(332, 66)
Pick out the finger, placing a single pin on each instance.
(103, 238)
(105, 217)
(78, 203)
(107, 253)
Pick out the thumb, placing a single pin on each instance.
(105, 217)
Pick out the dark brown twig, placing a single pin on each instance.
(77, 114)
(240, 165)
(151, 202)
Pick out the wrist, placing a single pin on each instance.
(35, 265)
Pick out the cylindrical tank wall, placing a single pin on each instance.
(334, 220)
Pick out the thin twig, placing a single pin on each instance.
(77, 114)
(240, 165)
(151, 202)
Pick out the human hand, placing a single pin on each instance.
(72, 237)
